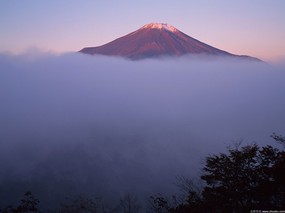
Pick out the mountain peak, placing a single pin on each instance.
(159, 26)
(156, 40)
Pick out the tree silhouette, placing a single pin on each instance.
(243, 179)
(80, 205)
(129, 204)
(28, 205)
(246, 178)
(159, 204)
(279, 138)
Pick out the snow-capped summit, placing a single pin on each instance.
(155, 40)
(160, 26)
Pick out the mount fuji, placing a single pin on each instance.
(156, 40)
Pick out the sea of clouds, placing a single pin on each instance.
(74, 124)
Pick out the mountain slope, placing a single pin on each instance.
(155, 40)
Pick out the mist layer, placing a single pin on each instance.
(101, 126)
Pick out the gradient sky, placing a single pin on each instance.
(255, 27)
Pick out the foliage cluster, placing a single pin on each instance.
(246, 178)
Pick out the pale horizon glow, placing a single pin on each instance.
(254, 28)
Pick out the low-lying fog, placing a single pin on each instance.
(104, 127)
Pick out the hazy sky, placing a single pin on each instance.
(255, 27)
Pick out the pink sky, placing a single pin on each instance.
(255, 28)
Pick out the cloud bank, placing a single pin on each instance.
(100, 126)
